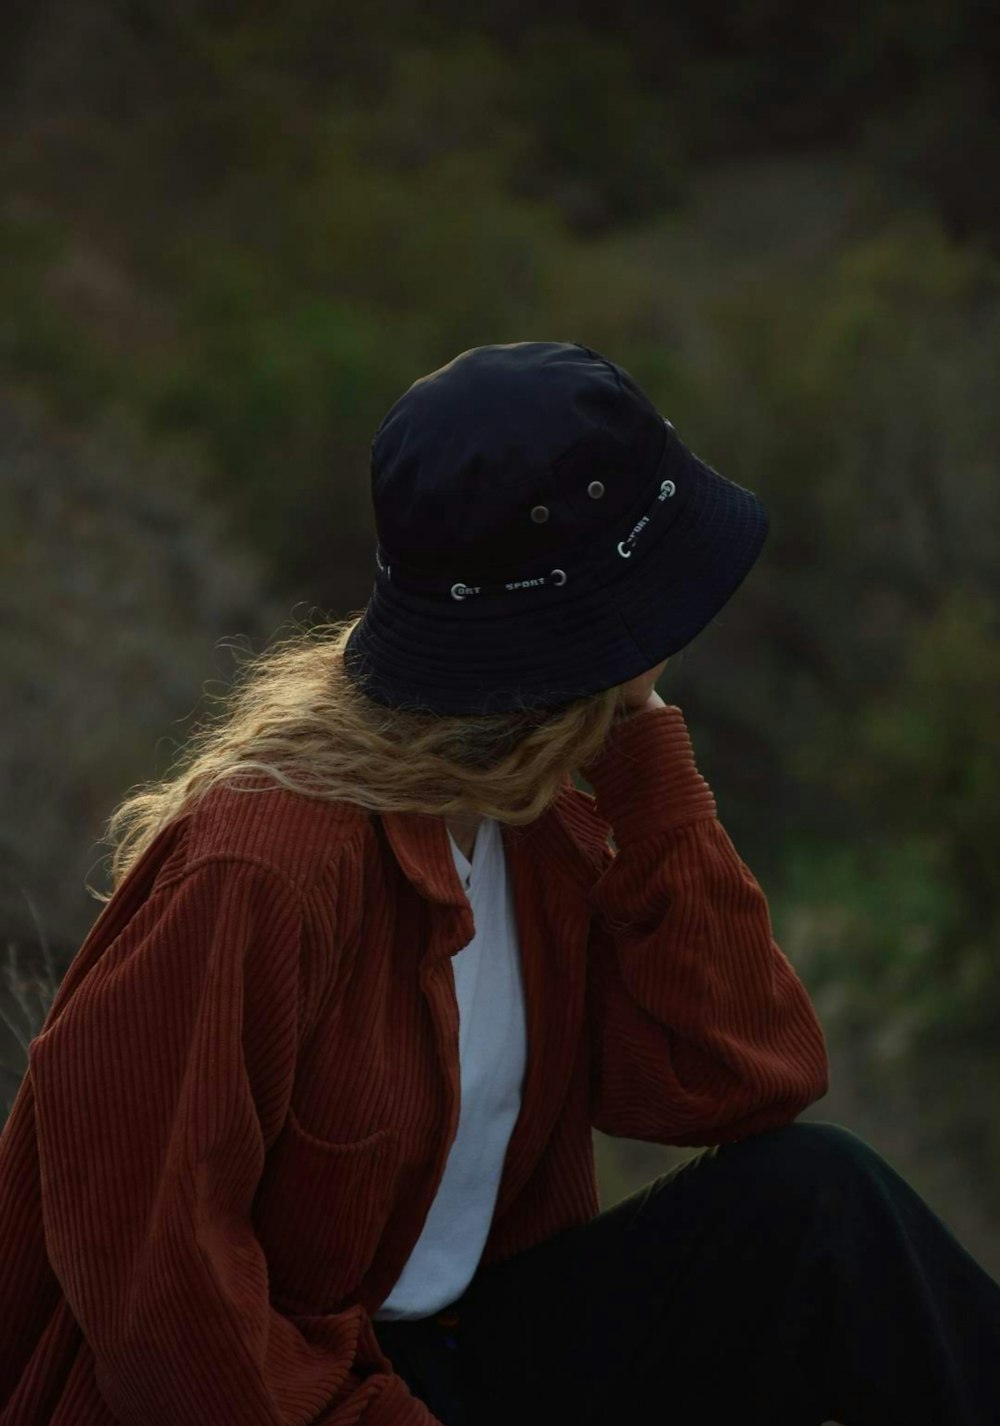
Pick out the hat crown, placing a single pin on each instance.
(509, 455)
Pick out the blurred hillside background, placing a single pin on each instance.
(232, 234)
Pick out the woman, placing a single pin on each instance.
(306, 1137)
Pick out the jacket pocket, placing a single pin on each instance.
(319, 1213)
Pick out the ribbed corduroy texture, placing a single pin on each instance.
(238, 1111)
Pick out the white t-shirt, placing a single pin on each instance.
(492, 1044)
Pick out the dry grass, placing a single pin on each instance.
(28, 983)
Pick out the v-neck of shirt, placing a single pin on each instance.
(468, 869)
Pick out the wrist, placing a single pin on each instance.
(645, 778)
(652, 701)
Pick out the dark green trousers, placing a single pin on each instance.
(788, 1279)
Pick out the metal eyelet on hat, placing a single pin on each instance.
(540, 513)
(595, 489)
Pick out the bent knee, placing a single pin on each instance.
(806, 1151)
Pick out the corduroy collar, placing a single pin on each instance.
(558, 837)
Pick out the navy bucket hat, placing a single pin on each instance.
(543, 534)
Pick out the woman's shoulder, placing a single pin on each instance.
(300, 837)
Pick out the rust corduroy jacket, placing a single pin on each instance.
(238, 1111)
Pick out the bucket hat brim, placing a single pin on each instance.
(543, 648)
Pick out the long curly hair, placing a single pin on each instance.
(292, 716)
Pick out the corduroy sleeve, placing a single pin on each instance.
(157, 1088)
(701, 1030)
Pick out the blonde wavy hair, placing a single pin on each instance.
(293, 717)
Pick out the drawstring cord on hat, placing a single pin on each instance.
(555, 577)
